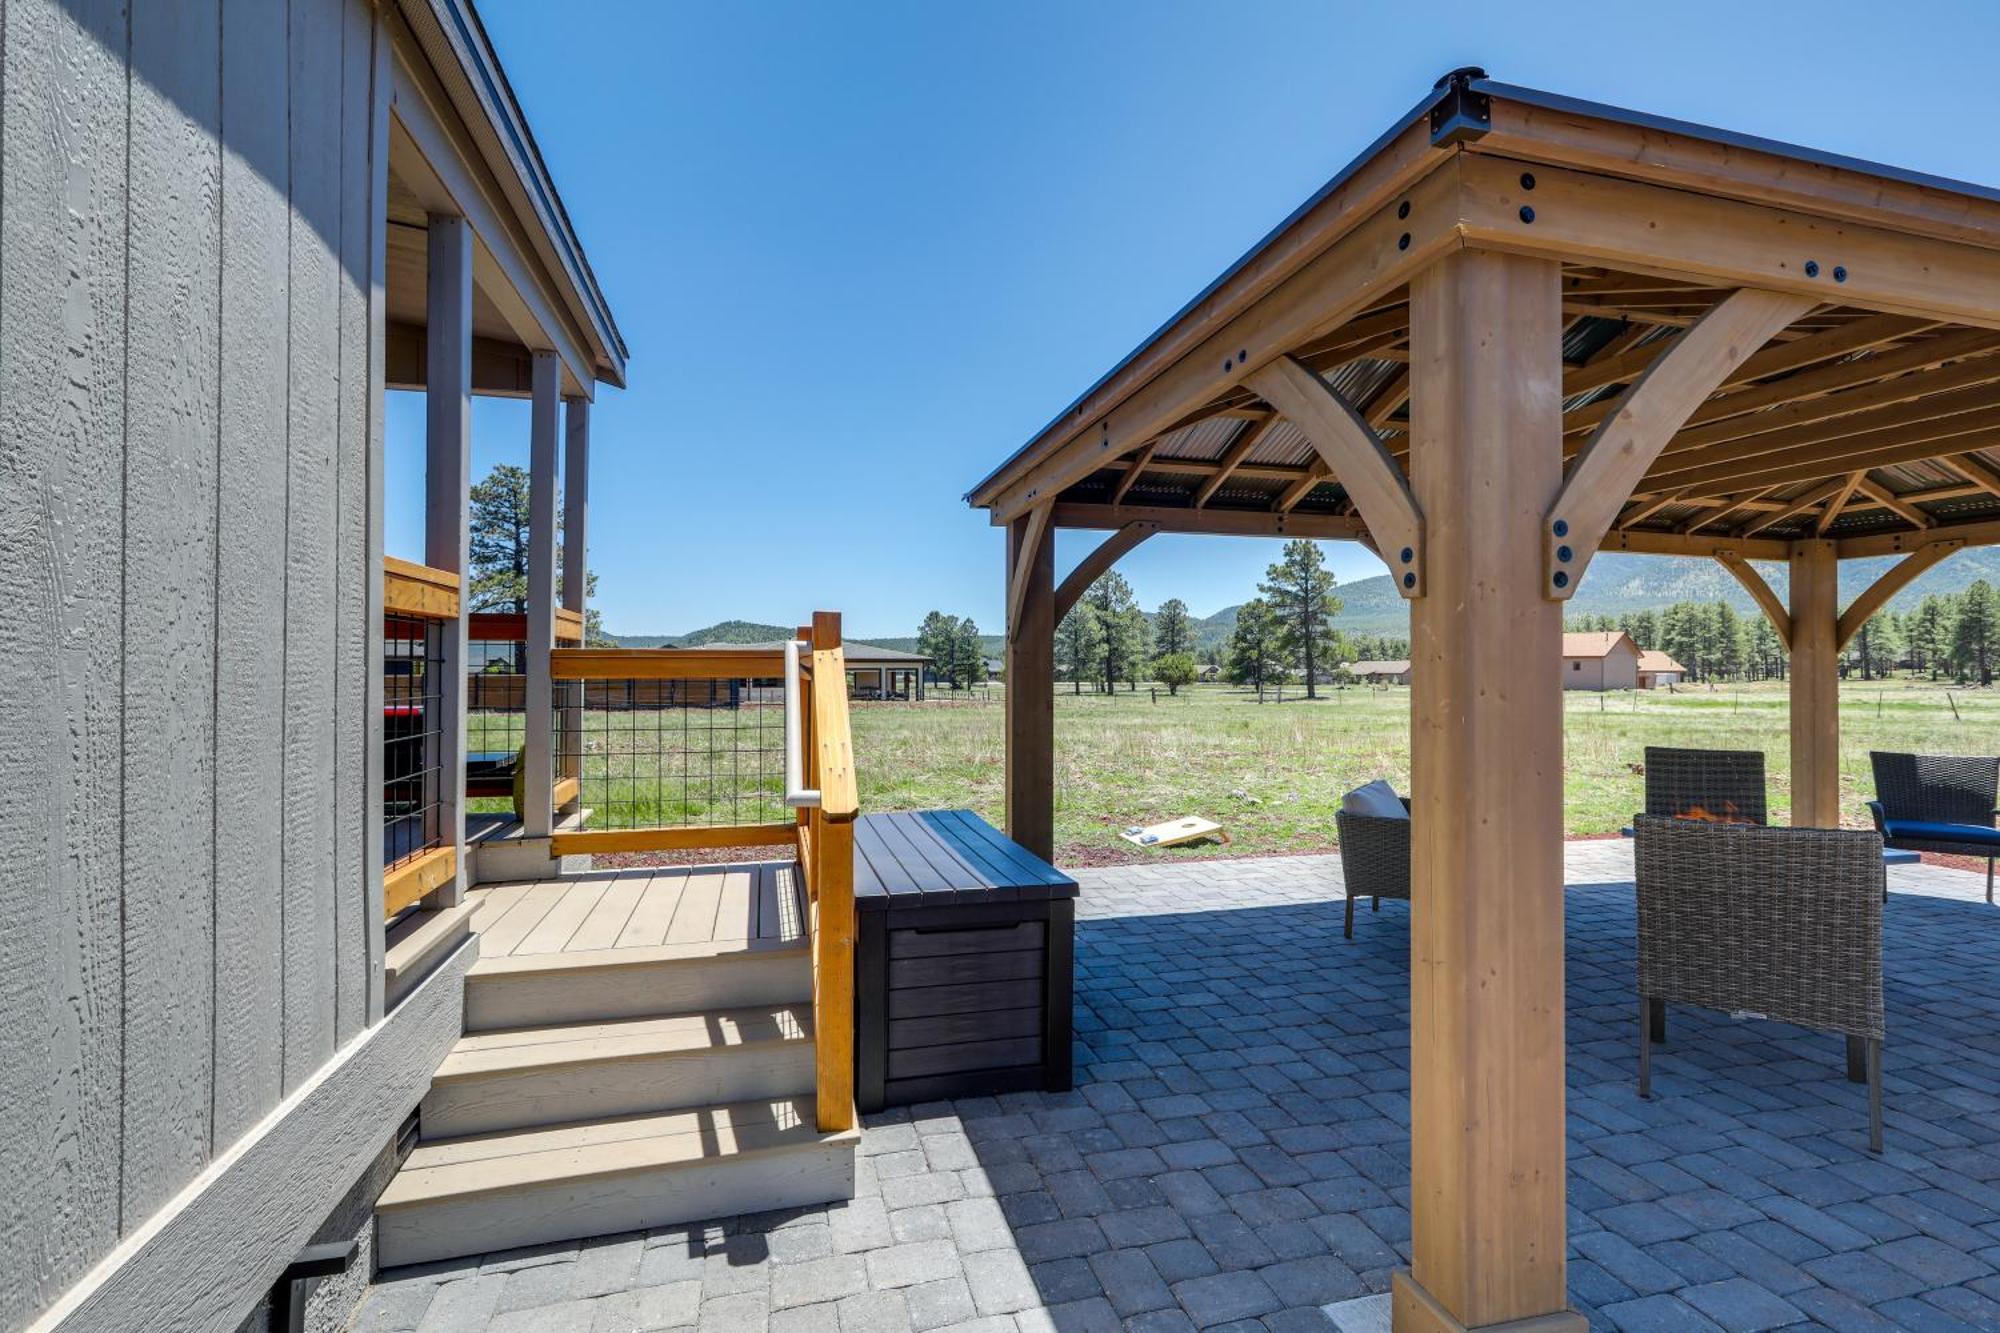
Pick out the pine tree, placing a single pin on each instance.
(968, 659)
(1079, 643)
(1173, 628)
(1256, 650)
(1120, 624)
(1976, 633)
(937, 639)
(1930, 634)
(1300, 592)
(499, 541)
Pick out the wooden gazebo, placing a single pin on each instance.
(1518, 330)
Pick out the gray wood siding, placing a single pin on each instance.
(187, 328)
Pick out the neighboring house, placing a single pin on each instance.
(1601, 660)
(872, 673)
(1380, 673)
(228, 229)
(1657, 668)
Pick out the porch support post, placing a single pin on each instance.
(447, 507)
(575, 561)
(1815, 685)
(538, 749)
(1486, 935)
(1031, 683)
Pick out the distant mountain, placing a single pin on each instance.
(1616, 583)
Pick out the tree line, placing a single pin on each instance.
(1946, 636)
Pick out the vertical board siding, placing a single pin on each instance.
(62, 374)
(171, 378)
(250, 592)
(354, 914)
(309, 661)
(189, 532)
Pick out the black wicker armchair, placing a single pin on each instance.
(1782, 923)
(1938, 803)
(1722, 785)
(1374, 858)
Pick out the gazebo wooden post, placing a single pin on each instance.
(1031, 683)
(1486, 942)
(1815, 685)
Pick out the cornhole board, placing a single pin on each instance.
(1174, 832)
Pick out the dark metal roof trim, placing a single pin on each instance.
(1340, 178)
(513, 125)
(1689, 129)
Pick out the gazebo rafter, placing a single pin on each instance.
(1520, 329)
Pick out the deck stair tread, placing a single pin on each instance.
(511, 1050)
(482, 1164)
(592, 959)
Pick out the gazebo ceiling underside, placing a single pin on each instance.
(1874, 423)
(1873, 418)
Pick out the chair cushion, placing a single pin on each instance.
(1924, 830)
(1376, 798)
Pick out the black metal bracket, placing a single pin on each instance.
(288, 1312)
(1461, 114)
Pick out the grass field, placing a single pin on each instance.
(1273, 773)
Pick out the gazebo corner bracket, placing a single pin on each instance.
(1628, 442)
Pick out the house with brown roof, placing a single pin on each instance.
(1657, 668)
(1380, 673)
(1601, 660)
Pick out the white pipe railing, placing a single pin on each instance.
(797, 796)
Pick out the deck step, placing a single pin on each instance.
(462, 1196)
(518, 1078)
(605, 984)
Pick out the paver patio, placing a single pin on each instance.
(1235, 1154)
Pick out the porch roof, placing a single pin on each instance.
(1871, 417)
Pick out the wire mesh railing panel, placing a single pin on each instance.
(678, 753)
(412, 737)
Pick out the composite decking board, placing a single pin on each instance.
(172, 394)
(512, 926)
(962, 879)
(736, 908)
(701, 897)
(249, 850)
(489, 905)
(995, 868)
(63, 281)
(907, 873)
(655, 910)
(606, 921)
(552, 934)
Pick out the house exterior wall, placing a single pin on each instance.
(1615, 670)
(189, 385)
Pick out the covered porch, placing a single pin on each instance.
(1518, 330)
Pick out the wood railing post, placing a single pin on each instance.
(831, 770)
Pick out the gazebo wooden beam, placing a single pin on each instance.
(1354, 452)
(1760, 592)
(1651, 229)
(1830, 514)
(1983, 533)
(1895, 504)
(1887, 447)
(1649, 413)
(1212, 522)
(1035, 529)
(1357, 271)
(1249, 437)
(1814, 684)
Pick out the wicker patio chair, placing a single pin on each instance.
(1374, 858)
(1726, 785)
(1938, 803)
(1783, 923)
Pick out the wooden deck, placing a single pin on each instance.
(639, 909)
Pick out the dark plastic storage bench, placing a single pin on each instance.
(961, 961)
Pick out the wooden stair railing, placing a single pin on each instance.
(415, 593)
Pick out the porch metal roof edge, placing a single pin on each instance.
(1528, 97)
(459, 24)
(1339, 178)
(1693, 130)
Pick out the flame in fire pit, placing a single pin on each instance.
(1728, 815)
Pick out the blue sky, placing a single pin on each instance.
(861, 252)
